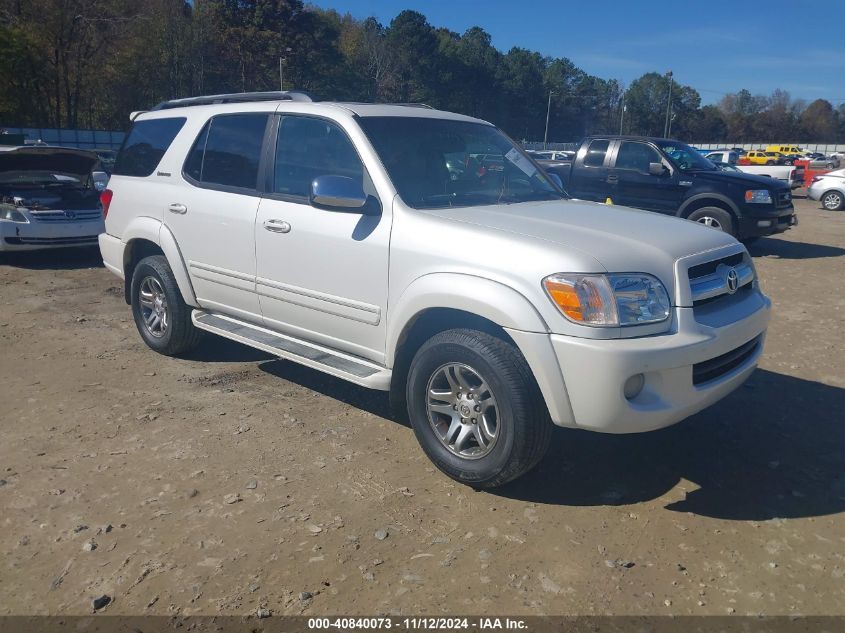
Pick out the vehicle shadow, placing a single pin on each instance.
(774, 448)
(216, 349)
(370, 400)
(784, 249)
(54, 259)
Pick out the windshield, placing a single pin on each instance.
(686, 157)
(437, 163)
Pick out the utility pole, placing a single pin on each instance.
(282, 62)
(622, 114)
(668, 106)
(548, 109)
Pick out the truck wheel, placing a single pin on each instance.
(833, 201)
(714, 217)
(476, 409)
(162, 317)
(770, 162)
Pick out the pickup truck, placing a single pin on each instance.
(487, 303)
(670, 177)
(791, 175)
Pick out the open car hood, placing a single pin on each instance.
(58, 160)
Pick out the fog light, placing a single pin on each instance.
(764, 223)
(633, 386)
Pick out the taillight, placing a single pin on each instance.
(105, 200)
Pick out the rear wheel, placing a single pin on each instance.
(476, 409)
(833, 200)
(770, 162)
(161, 315)
(715, 218)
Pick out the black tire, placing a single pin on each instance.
(179, 334)
(714, 217)
(748, 241)
(788, 161)
(523, 424)
(770, 162)
(829, 165)
(832, 200)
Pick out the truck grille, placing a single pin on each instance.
(87, 215)
(717, 367)
(784, 199)
(720, 278)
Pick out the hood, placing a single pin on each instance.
(618, 239)
(60, 160)
(739, 179)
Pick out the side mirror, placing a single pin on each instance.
(657, 169)
(339, 193)
(556, 179)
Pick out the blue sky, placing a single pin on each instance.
(715, 46)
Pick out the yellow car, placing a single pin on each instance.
(757, 157)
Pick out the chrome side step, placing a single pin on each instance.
(351, 368)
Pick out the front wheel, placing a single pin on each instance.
(833, 201)
(476, 409)
(715, 218)
(161, 315)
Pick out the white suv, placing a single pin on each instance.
(343, 237)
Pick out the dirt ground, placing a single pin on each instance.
(229, 480)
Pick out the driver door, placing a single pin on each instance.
(321, 274)
(639, 188)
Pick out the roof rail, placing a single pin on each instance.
(237, 97)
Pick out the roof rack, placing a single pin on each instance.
(237, 97)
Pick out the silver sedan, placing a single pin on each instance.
(829, 189)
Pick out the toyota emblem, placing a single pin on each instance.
(732, 280)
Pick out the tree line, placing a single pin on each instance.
(88, 63)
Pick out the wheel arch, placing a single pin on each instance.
(148, 236)
(708, 200)
(444, 301)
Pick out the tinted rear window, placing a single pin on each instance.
(145, 145)
(228, 150)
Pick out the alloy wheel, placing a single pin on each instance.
(153, 303)
(462, 411)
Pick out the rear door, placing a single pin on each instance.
(589, 180)
(636, 187)
(212, 215)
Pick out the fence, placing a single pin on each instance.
(83, 139)
(824, 148)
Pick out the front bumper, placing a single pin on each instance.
(771, 223)
(684, 371)
(19, 236)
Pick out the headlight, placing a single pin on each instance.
(609, 300)
(12, 215)
(762, 196)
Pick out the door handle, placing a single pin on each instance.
(181, 209)
(277, 226)
(612, 180)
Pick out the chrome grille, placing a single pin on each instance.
(85, 215)
(719, 278)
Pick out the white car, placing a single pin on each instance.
(489, 304)
(49, 198)
(829, 189)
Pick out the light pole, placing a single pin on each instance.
(548, 110)
(668, 106)
(282, 61)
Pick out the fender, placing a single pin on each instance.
(500, 304)
(489, 299)
(155, 231)
(709, 196)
